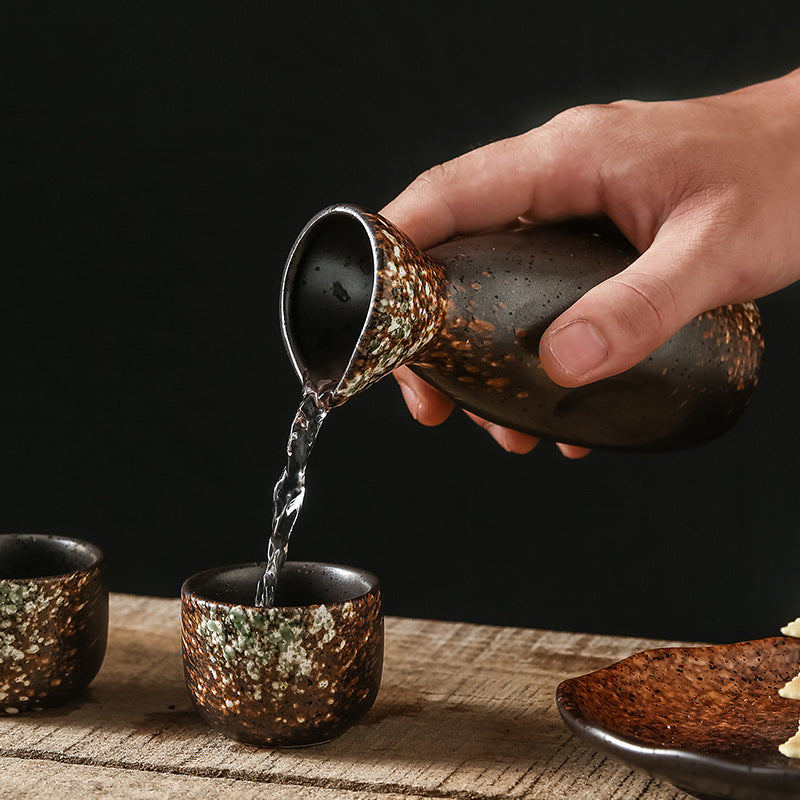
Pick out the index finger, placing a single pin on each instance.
(547, 173)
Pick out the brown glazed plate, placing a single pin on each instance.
(708, 719)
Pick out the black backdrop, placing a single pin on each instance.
(161, 157)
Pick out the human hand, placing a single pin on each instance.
(707, 190)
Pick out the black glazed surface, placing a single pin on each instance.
(504, 290)
(300, 584)
(42, 555)
(328, 291)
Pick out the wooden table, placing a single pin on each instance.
(464, 712)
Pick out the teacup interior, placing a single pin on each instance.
(24, 556)
(299, 584)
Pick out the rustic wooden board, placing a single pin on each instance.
(465, 712)
(24, 778)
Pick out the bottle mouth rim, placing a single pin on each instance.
(327, 388)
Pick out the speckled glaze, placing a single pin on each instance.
(406, 292)
(467, 316)
(709, 719)
(282, 676)
(53, 627)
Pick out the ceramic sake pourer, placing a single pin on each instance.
(53, 619)
(301, 672)
(358, 299)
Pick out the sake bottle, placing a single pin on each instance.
(359, 299)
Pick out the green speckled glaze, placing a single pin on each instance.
(282, 675)
(269, 637)
(20, 607)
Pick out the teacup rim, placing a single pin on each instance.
(98, 556)
(188, 594)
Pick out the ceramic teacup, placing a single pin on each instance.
(53, 619)
(299, 673)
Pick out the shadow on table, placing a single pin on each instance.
(419, 732)
(140, 690)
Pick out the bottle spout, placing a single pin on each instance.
(358, 299)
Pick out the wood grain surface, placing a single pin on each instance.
(464, 712)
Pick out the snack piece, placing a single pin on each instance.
(792, 689)
(791, 748)
(792, 629)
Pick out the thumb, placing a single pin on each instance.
(622, 320)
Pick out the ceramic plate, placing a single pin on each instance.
(708, 719)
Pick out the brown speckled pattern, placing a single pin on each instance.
(53, 634)
(708, 718)
(283, 676)
(408, 311)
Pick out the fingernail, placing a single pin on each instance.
(578, 347)
(412, 401)
(500, 435)
(572, 451)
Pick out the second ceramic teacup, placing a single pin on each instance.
(299, 673)
(53, 619)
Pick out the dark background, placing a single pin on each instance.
(161, 159)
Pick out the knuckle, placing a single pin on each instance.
(614, 119)
(433, 185)
(588, 115)
(434, 179)
(626, 141)
(628, 104)
(645, 306)
(637, 155)
(717, 238)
